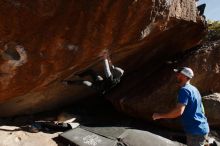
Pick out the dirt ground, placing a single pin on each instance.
(13, 136)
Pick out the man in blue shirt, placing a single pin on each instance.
(190, 108)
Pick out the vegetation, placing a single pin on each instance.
(213, 30)
(214, 25)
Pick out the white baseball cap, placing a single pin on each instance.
(185, 71)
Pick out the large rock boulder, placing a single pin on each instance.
(157, 92)
(212, 108)
(43, 42)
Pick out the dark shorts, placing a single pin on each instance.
(196, 140)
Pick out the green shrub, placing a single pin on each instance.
(214, 25)
(213, 30)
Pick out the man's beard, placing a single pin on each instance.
(178, 81)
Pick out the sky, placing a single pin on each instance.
(212, 10)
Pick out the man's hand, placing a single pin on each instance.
(156, 116)
(104, 54)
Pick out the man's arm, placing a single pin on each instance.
(107, 63)
(174, 113)
(108, 73)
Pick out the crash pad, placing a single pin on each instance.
(131, 137)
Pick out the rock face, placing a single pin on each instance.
(212, 103)
(158, 91)
(45, 41)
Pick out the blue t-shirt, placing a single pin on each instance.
(193, 117)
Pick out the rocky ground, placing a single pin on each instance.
(13, 136)
(18, 131)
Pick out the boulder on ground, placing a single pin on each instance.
(44, 42)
